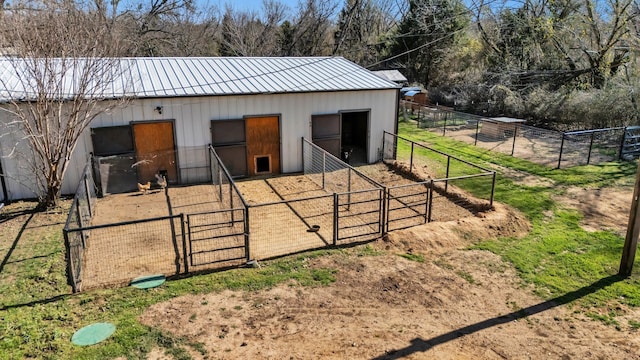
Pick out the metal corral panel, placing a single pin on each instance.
(198, 76)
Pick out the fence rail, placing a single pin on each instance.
(422, 202)
(217, 228)
(76, 232)
(543, 146)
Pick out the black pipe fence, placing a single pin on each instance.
(451, 181)
(218, 228)
(509, 136)
(76, 229)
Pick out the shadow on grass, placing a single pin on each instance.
(16, 240)
(36, 302)
(10, 215)
(421, 345)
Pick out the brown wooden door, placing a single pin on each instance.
(155, 150)
(263, 145)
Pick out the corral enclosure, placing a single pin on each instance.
(511, 136)
(185, 229)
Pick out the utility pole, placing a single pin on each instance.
(633, 231)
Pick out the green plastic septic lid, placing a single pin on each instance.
(146, 282)
(93, 334)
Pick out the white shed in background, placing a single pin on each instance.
(392, 75)
(254, 111)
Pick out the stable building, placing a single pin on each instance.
(254, 111)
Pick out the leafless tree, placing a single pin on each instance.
(249, 33)
(64, 74)
(360, 32)
(312, 28)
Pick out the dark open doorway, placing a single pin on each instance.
(355, 134)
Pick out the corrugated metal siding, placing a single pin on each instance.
(178, 77)
(192, 116)
(192, 121)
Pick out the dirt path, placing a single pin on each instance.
(457, 304)
(603, 209)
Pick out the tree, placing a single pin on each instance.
(360, 25)
(286, 39)
(313, 26)
(584, 43)
(62, 78)
(249, 34)
(427, 32)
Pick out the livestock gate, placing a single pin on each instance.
(512, 136)
(220, 223)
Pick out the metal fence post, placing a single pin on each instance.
(220, 183)
(444, 128)
(335, 219)
(561, 148)
(624, 136)
(493, 188)
(86, 187)
(348, 189)
(304, 165)
(384, 216)
(71, 276)
(324, 164)
(247, 238)
(515, 134)
(80, 224)
(184, 243)
(446, 181)
(411, 159)
(426, 206)
(475, 142)
(231, 202)
(430, 200)
(590, 147)
(384, 137)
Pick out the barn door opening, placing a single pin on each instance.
(155, 151)
(325, 132)
(355, 136)
(228, 138)
(115, 159)
(263, 145)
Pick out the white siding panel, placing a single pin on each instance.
(19, 178)
(192, 118)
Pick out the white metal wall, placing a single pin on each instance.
(193, 115)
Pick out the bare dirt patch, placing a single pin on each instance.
(603, 209)
(457, 304)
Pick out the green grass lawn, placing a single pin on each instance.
(38, 315)
(558, 256)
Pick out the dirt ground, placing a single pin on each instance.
(457, 304)
(603, 209)
(115, 255)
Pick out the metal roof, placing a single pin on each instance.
(191, 76)
(391, 75)
(508, 120)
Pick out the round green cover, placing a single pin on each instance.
(93, 334)
(146, 282)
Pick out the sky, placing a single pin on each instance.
(246, 5)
